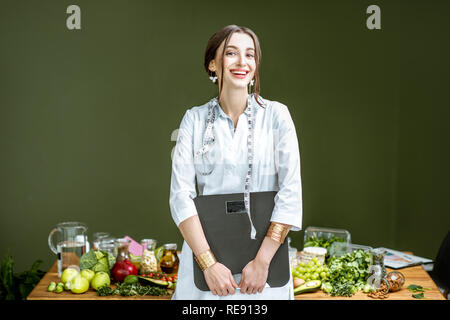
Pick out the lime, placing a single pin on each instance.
(79, 285)
(131, 278)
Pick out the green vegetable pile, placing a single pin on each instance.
(132, 289)
(348, 273)
(323, 242)
(17, 286)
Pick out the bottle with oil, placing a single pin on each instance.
(169, 261)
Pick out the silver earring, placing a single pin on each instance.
(213, 79)
(252, 82)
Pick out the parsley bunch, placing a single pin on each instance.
(348, 273)
(131, 289)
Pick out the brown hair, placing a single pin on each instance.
(225, 34)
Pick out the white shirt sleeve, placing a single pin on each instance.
(288, 201)
(182, 184)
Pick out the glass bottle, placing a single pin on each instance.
(121, 247)
(98, 237)
(378, 260)
(169, 261)
(148, 259)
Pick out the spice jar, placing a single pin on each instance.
(169, 261)
(148, 259)
(396, 280)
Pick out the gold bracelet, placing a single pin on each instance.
(277, 232)
(205, 260)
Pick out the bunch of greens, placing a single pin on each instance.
(348, 273)
(17, 286)
(323, 242)
(97, 261)
(132, 289)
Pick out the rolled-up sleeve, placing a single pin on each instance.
(182, 184)
(288, 201)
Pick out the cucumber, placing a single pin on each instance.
(309, 286)
(159, 283)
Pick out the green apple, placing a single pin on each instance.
(100, 279)
(79, 284)
(88, 274)
(68, 274)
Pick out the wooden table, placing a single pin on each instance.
(414, 275)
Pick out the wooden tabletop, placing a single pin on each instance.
(413, 275)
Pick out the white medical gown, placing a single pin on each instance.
(276, 167)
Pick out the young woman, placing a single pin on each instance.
(238, 142)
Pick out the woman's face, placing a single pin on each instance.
(239, 61)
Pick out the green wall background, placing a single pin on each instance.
(86, 116)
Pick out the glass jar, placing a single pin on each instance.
(108, 245)
(121, 248)
(169, 261)
(148, 259)
(378, 260)
(396, 280)
(97, 238)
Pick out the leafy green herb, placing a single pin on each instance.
(418, 296)
(7, 278)
(106, 290)
(323, 242)
(348, 273)
(132, 289)
(17, 286)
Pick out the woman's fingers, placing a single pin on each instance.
(233, 282)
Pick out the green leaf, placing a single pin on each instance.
(418, 296)
(416, 288)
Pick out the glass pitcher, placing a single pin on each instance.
(71, 244)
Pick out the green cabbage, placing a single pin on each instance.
(97, 261)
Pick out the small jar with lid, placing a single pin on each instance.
(148, 259)
(169, 261)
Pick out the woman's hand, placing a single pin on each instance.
(254, 276)
(220, 280)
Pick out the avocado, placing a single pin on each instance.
(308, 287)
(160, 283)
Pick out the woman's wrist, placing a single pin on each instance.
(205, 259)
(278, 231)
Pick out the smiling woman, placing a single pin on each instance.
(249, 145)
(238, 45)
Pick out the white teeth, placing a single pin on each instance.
(239, 72)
